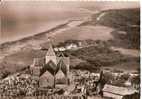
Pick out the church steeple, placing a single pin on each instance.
(50, 55)
(50, 51)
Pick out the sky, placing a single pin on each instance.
(20, 19)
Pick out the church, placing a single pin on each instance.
(52, 70)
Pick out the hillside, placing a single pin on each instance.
(126, 23)
(102, 55)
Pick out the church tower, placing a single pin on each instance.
(50, 55)
(36, 66)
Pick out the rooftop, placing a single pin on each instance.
(118, 90)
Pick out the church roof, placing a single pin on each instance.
(62, 66)
(46, 80)
(50, 51)
(65, 60)
(46, 74)
(50, 66)
(60, 74)
(118, 90)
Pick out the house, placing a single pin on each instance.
(71, 46)
(115, 92)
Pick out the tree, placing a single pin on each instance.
(4, 74)
(125, 77)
